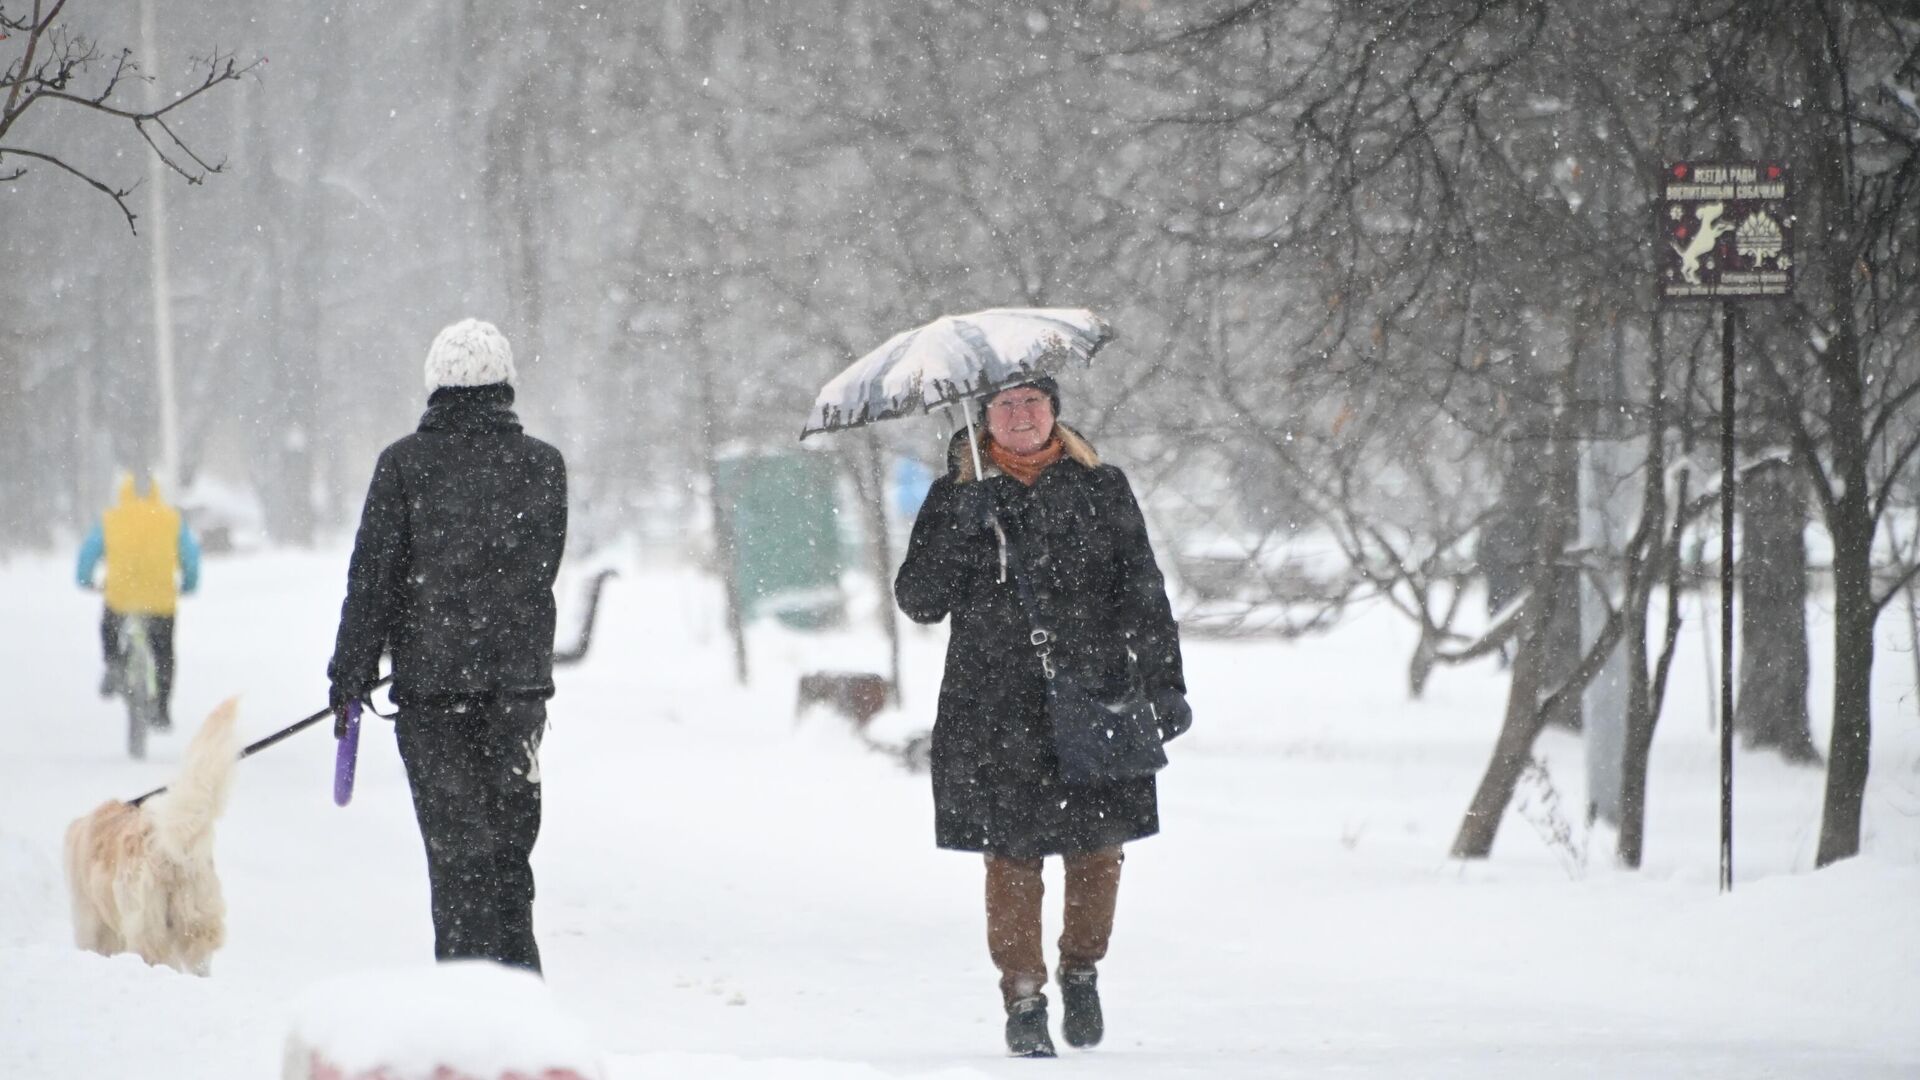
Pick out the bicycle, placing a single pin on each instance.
(137, 679)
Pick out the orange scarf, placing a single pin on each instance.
(1026, 468)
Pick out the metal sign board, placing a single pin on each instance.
(1725, 231)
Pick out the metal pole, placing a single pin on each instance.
(973, 440)
(167, 469)
(1726, 596)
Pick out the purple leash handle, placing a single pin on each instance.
(345, 756)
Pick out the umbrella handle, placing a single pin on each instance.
(973, 440)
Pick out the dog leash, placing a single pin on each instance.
(255, 747)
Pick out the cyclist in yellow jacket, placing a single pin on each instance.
(146, 544)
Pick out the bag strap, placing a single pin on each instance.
(1038, 636)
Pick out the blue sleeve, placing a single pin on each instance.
(189, 560)
(94, 546)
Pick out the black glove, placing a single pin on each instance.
(338, 700)
(1171, 712)
(973, 507)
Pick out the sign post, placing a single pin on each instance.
(1726, 234)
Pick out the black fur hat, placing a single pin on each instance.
(1043, 383)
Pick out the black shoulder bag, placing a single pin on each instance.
(1097, 741)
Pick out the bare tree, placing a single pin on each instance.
(1844, 379)
(56, 67)
(1409, 174)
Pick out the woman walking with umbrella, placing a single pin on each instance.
(1029, 530)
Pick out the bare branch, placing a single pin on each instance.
(1906, 578)
(216, 74)
(50, 81)
(118, 195)
(1883, 492)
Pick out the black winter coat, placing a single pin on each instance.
(996, 779)
(454, 563)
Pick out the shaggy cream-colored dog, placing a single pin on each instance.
(142, 876)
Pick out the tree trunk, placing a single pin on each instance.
(1537, 671)
(1511, 751)
(1560, 644)
(1539, 497)
(1647, 675)
(1772, 710)
(1850, 512)
(1848, 753)
(1646, 689)
(1631, 842)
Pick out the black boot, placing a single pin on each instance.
(1082, 1025)
(1027, 1028)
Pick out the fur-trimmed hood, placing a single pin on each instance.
(960, 458)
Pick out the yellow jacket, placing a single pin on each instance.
(145, 545)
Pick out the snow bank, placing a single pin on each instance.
(29, 887)
(66, 1014)
(466, 1020)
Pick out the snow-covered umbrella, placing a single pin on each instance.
(954, 358)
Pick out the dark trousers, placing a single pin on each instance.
(159, 638)
(475, 773)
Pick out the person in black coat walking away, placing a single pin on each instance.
(1047, 501)
(452, 574)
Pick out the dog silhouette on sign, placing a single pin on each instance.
(1703, 241)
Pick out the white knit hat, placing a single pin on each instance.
(469, 353)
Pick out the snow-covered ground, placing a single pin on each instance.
(726, 892)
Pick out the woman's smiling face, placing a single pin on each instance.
(1020, 418)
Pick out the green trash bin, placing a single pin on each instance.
(786, 537)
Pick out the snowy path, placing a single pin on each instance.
(728, 894)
